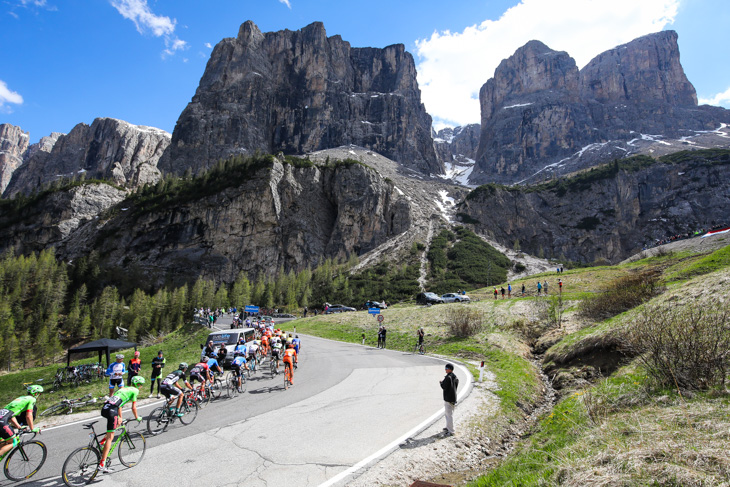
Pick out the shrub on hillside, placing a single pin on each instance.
(464, 322)
(685, 346)
(622, 295)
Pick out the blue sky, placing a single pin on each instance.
(63, 62)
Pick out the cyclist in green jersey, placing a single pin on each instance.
(112, 411)
(19, 412)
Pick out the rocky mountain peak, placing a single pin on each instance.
(301, 91)
(13, 145)
(646, 70)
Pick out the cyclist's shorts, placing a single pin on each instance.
(288, 360)
(6, 432)
(116, 383)
(170, 391)
(196, 377)
(111, 413)
(274, 353)
(236, 369)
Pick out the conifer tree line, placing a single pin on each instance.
(47, 306)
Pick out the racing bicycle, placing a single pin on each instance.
(24, 460)
(162, 417)
(82, 464)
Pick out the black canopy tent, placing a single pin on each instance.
(103, 345)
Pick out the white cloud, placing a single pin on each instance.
(209, 45)
(286, 2)
(8, 96)
(140, 13)
(37, 3)
(583, 28)
(147, 22)
(720, 99)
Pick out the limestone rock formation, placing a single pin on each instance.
(280, 216)
(13, 144)
(540, 114)
(110, 149)
(301, 91)
(610, 213)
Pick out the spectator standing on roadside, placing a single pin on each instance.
(449, 385)
(495, 293)
(135, 365)
(385, 331)
(539, 287)
(210, 348)
(380, 335)
(560, 286)
(222, 352)
(509, 291)
(523, 289)
(305, 311)
(545, 287)
(502, 291)
(157, 364)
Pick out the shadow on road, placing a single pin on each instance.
(411, 443)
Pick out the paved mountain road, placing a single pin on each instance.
(349, 403)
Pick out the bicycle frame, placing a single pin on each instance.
(94, 438)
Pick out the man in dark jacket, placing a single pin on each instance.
(449, 386)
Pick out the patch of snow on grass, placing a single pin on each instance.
(653, 138)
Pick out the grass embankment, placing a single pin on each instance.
(504, 354)
(625, 429)
(180, 346)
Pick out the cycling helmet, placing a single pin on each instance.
(182, 366)
(35, 389)
(119, 355)
(137, 379)
(204, 359)
(212, 355)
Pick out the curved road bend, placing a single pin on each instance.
(349, 403)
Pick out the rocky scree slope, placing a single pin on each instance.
(541, 116)
(298, 92)
(607, 213)
(108, 149)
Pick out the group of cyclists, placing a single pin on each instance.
(282, 348)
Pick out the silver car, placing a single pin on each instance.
(455, 298)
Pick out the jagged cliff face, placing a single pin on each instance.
(110, 149)
(609, 219)
(457, 144)
(13, 144)
(299, 92)
(539, 112)
(282, 216)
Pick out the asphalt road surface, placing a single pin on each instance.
(349, 406)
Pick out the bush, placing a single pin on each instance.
(683, 345)
(622, 295)
(464, 322)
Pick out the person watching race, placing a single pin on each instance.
(112, 411)
(171, 387)
(420, 334)
(116, 372)
(290, 359)
(20, 412)
(200, 372)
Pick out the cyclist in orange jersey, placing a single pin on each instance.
(289, 359)
(264, 345)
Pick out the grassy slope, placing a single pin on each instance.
(182, 345)
(618, 431)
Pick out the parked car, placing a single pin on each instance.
(428, 298)
(375, 304)
(455, 298)
(338, 308)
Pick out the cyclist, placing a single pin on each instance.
(297, 343)
(240, 347)
(214, 366)
(290, 358)
(239, 360)
(116, 372)
(201, 373)
(12, 414)
(265, 344)
(171, 387)
(112, 411)
(253, 348)
(276, 352)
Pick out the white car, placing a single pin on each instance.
(455, 298)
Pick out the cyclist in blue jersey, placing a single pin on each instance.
(297, 343)
(213, 365)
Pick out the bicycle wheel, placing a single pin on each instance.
(232, 384)
(25, 460)
(157, 421)
(216, 389)
(189, 410)
(56, 408)
(131, 449)
(287, 375)
(204, 397)
(81, 466)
